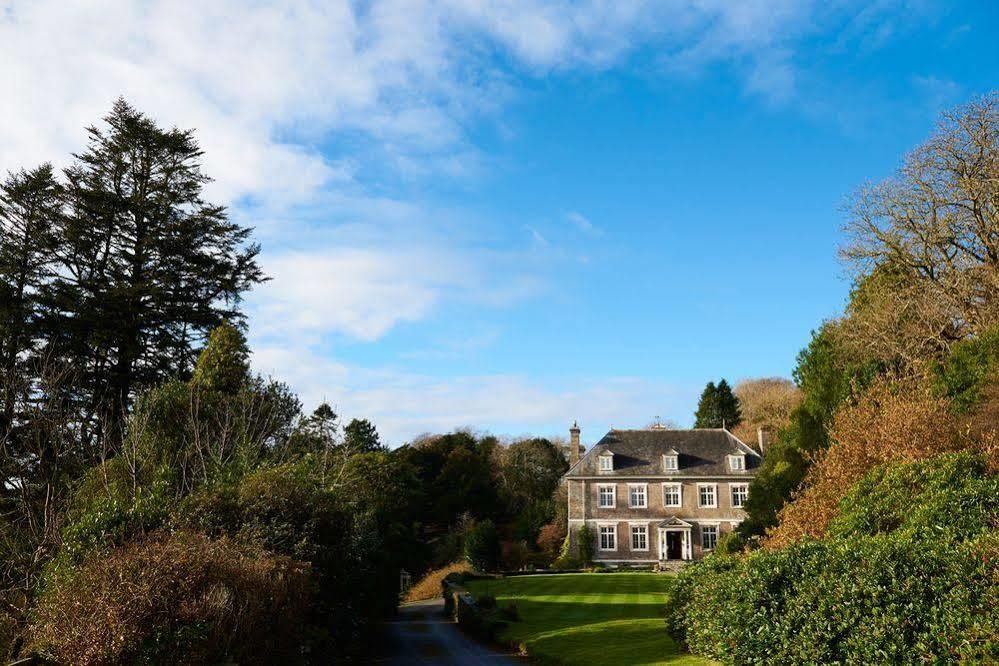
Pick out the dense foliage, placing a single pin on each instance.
(892, 583)
(877, 504)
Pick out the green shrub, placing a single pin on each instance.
(892, 583)
(585, 546)
(950, 496)
(859, 600)
(968, 369)
(567, 563)
(482, 546)
(730, 543)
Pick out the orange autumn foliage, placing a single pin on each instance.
(889, 422)
(429, 587)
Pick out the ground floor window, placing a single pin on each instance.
(639, 537)
(608, 537)
(709, 537)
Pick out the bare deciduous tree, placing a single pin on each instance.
(924, 244)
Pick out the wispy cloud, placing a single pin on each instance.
(537, 240)
(405, 404)
(583, 224)
(317, 117)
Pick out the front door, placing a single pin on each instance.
(674, 545)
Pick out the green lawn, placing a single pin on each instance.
(609, 618)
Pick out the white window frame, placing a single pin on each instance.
(675, 460)
(606, 462)
(715, 531)
(679, 495)
(600, 536)
(714, 494)
(742, 463)
(745, 489)
(613, 489)
(635, 531)
(645, 496)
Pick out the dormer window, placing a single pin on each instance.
(671, 461)
(737, 463)
(607, 462)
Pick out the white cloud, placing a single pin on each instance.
(309, 111)
(404, 405)
(360, 293)
(267, 82)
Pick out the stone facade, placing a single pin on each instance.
(644, 526)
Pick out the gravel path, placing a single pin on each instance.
(421, 634)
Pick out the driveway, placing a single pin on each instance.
(421, 634)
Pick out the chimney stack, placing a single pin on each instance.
(763, 437)
(573, 444)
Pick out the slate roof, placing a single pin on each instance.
(702, 452)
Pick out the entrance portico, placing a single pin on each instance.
(674, 539)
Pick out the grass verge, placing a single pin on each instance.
(589, 618)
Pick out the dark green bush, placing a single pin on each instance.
(482, 546)
(908, 574)
(968, 369)
(949, 496)
(730, 543)
(859, 600)
(585, 544)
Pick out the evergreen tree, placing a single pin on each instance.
(728, 406)
(718, 407)
(360, 436)
(147, 268)
(29, 208)
(707, 408)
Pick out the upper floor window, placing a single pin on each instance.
(740, 493)
(608, 537)
(709, 537)
(606, 497)
(707, 496)
(606, 463)
(672, 495)
(671, 462)
(637, 498)
(737, 463)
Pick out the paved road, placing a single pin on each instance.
(421, 634)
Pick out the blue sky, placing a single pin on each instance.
(512, 215)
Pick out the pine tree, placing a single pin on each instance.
(707, 408)
(728, 406)
(718, 407)
(29, 207)
(148, 268)
(360, 436)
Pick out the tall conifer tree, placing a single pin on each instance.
(147, 267)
